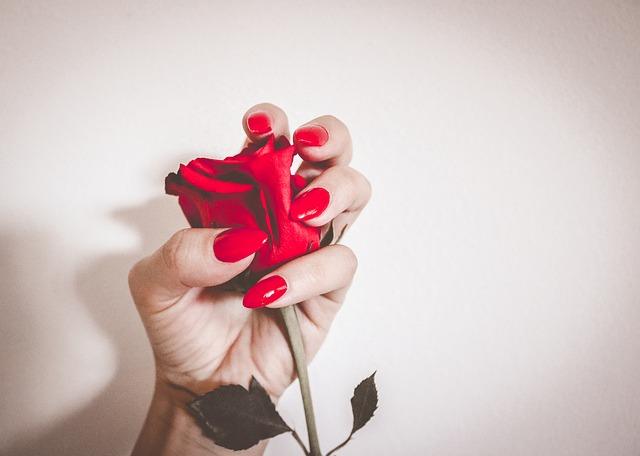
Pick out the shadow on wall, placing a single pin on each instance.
(109, 424)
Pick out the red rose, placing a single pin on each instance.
(253, 189)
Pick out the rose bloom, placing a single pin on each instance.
(252, 189)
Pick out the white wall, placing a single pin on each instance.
(498, 293)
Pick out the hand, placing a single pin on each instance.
(203, 337)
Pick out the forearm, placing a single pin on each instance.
(169, 430)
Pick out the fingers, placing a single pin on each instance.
(338, 189)
(324, 141)
(264, 119)
(327, 270)
(195, 257)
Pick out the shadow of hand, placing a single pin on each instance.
(110, 423)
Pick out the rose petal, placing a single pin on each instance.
(210, 184)
(206, 166)
(253, 189)
(208, 210)
(297, 183)
(190, 210)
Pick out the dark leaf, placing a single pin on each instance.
(331, 236)
(364, 402)
(237, 419)
(341, 235)
(327, 239)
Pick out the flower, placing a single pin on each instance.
(252, 189)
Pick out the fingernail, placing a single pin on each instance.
(258, 123)
(265, 292)
(311, 135)
(238, 243)
(309, 204)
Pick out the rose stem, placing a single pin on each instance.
(297, 348)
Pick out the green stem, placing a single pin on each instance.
(340, 446)
(300, 442)
(297, 349)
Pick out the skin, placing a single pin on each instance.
(203, 337)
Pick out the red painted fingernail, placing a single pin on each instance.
(265, 292)
(309, 204)
(237, 243)
(258, 123)
(311, 135)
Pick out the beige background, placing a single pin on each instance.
(498, 293)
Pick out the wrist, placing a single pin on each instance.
(170, 429)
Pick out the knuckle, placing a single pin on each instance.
(367, 188)
(348, 258)
(342, 172)
(352, 262)
(172, 253)
(359, 184)
(132, 277)
(362, 187)
(137, 277)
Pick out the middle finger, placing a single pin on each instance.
(337, 190)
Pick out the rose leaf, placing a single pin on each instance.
(364, 402)
(236, 418)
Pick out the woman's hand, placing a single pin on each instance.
(203, 337)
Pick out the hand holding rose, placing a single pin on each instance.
(201, 334)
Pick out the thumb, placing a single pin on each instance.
(193, 257)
